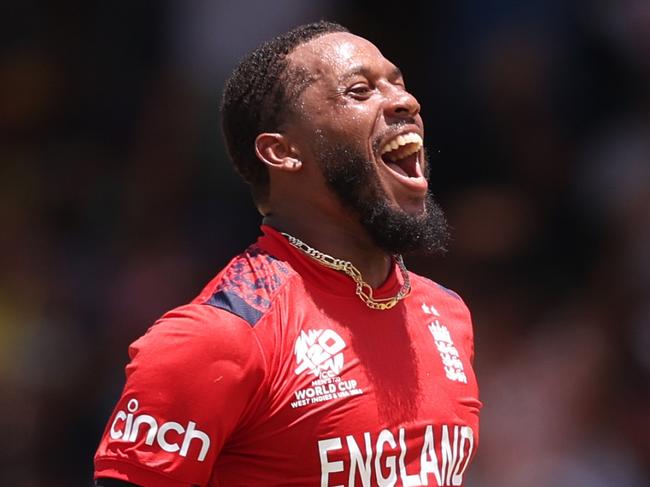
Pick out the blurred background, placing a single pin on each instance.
(117, 203)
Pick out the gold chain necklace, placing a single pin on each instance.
(364, 290)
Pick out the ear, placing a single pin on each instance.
(274, 150)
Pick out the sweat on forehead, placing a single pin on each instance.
(333, 54)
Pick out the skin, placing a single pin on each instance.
(357, 97)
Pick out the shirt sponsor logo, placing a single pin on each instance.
(320, 353)
(381, 460)
(449, 355)
(129, 426)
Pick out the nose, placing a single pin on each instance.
(401, 104)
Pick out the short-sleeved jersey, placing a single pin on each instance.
(277, 374)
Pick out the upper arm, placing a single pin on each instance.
(190, 379)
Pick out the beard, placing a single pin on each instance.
(354, 180)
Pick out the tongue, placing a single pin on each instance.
(398, 169)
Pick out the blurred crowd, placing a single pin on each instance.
(117, 202)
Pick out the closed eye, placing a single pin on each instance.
(360, 91)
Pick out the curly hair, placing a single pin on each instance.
(259, 94)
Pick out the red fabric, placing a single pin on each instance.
(277, 374)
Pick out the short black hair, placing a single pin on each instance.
(258, 95)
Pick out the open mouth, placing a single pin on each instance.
(402, 155)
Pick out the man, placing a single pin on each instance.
(314, 357)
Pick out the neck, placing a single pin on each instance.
(345, 240)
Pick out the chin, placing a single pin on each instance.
(413, 207)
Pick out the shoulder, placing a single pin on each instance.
(195, 333)
(190, 347)
(440, 297)
(197, 371)
(447, 310)
(248, 285)
(436, 288)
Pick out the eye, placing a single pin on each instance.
(400, 82)
(360, 91)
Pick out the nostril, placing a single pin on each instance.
(403, 113)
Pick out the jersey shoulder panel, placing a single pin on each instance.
(248, 284)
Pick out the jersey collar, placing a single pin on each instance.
(314, 273)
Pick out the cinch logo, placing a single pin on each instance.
(319, 351)
(126, 427)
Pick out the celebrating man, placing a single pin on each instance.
(314, 357)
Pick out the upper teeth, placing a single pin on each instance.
(401, 140)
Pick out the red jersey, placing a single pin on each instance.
(278, 374)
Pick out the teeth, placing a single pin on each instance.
(403, 152)
(413, 140)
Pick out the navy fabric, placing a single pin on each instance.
(113, 483)
(233, 303)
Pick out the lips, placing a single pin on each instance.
(402, 155)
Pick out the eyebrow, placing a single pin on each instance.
(395, 72)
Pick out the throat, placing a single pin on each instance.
(407, 166)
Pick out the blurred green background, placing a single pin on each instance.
(117, 202)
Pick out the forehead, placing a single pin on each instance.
(336, 54)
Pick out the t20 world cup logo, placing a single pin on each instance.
(319, 351)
